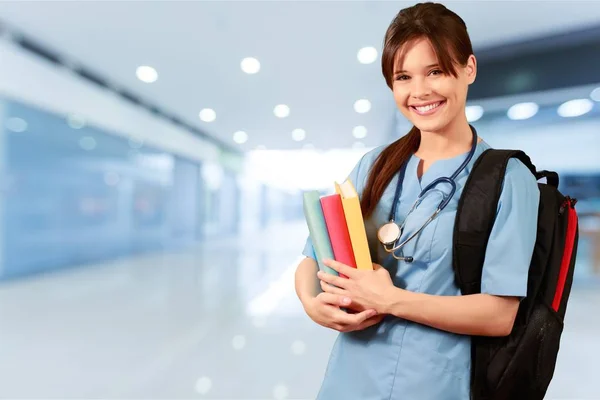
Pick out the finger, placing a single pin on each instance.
(375, 319)
(340, 267)
(332, 279)
(332, 289)
(356, 319)
(334, 299)
(369, 322)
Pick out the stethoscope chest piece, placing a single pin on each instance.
(389, 233)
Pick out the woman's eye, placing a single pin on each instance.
(436, 72)
(402, 77)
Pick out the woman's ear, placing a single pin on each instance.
(471, 69)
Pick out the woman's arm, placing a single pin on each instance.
(323, 308)
(305, 282)
(477, 314)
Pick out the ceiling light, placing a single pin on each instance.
(362, 106)
(298, 135)
(240, 137)
(474, 113)
(76, 121)
(250, 65)
(136, 142)
(367, 55)
(522, 111)
(146, 74)
(87, 143)
(281, 111)
(207, 115)
(359, 132)
(595, 95)
(203, 385)
(16, 125)
(575, 108)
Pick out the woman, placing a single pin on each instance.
(409, 337)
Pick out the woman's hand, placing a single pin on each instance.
(365, 289)
(325, 310)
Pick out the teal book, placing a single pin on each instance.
(317, 229)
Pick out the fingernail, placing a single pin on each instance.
(346, 300)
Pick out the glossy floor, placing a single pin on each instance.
(217, 321)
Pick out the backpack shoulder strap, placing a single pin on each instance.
(476, 213)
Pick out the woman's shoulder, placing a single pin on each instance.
(360, 173)
(519, 182)
(366, 161)
(370, 156)
(516, 171)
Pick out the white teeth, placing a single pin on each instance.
(428, 107)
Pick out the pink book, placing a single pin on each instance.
(337, 228)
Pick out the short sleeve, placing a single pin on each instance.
(309, 250)
(358, 177)
(510, 248)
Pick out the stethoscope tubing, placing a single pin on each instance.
(445, 200)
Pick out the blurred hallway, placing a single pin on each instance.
(217, 321)
(153, 156)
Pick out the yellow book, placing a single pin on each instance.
(356, 224)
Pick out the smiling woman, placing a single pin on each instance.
(409, 333)
(429, 68)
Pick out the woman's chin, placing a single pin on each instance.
(439, 124)
(430, 126)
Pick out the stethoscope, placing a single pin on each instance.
(390, 233)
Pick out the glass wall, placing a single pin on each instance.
(74, 194)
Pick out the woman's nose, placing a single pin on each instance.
(420, 88)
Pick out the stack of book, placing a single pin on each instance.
(336, 227)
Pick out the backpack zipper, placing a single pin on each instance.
(568, 204)
(568, 201)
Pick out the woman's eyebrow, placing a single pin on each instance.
(426, 67)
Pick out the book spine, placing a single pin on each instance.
(317, 228)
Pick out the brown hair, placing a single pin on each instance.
(448, 36)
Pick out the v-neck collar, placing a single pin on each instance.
(439, 168)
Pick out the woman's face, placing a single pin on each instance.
(429, 98)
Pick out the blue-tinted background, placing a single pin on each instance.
(146, 253)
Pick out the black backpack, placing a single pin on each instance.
(521, 365)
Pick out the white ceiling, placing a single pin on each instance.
(307, 51)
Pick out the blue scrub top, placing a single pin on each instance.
(400, 359)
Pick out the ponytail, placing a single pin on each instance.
(387, 164)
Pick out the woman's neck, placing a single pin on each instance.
(453, 141)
